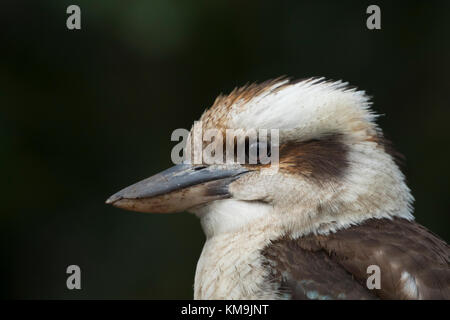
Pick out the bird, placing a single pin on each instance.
(334, 213)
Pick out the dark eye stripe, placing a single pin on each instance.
(319, 160)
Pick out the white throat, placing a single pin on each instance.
(230, 215)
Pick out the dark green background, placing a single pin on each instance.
(84, 113)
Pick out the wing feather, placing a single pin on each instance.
(414, 263)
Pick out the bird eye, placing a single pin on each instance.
(256, 151)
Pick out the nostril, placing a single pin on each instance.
(199, 168)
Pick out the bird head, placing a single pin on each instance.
(313, 160)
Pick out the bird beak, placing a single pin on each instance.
(178, 188)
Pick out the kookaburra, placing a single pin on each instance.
(336, 209)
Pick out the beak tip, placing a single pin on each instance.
(112, 199)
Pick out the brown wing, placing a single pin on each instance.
(305, 274)
(413, 262)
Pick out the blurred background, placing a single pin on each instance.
(87, 112)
